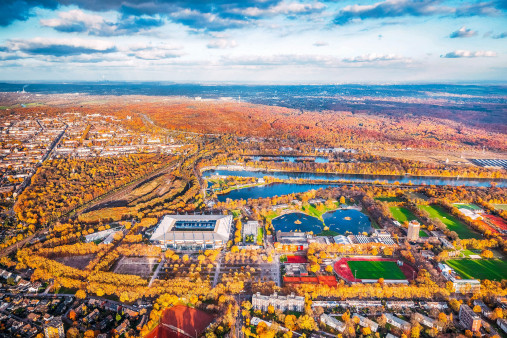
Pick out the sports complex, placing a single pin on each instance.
(370, 269)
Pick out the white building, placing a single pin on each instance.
(192, 232)
(397, 322)
(283, 303)
(332, 322)
(413, 230)
(365, 322)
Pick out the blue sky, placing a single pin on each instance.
(267, 41)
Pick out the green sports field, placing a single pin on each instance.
(376, 270)
(402, 214)
(450, 221)
(492, 269)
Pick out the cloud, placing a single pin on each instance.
(463, 32)
(59, 47)
(415, 8)
(320, 44)
(12, 10)
(78, 21)
(500, 36)
(376, 58)
(468, 54)
(285, 8)
(154, 52)
(222, 44)
(389, 8)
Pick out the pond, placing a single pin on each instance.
(350, 220)
(340, 221)
(297, 221)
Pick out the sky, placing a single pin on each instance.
(254, 41)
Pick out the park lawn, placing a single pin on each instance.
(260, 235)
(500, 206)
(492, 269)
(388, 199)
(402, 214)
(450, 221)
(423, 233)
(376, 270)
(312, 210)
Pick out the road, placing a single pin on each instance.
(155, 274)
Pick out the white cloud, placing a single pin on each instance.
(222, 44)
(463, 32)
(373, 57)
(469, 54)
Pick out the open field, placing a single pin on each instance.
(500, 206)
(492, 269)
(77, 262)
(139, 266)
(450, 221)
(312, 210)
(402, 214)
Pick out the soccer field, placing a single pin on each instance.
(375, 270)
(492, 269)
(402, 214)
(450, 221)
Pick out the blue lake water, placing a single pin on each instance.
(416, 180)
(289, 222)
(350, 220)
(275, 189)
(341, 221)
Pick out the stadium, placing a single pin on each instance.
(192, 232)
(371, 269)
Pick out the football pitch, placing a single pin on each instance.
(492, 269)
(375, 270)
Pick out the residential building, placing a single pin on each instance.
(413, 230)
(332, 322)
(365, 322)
(486, 311)
(427, 321)
(469, 319)
(397, 322)
(502, 323)
(283, 303)
(54, 328)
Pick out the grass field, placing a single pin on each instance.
(492, 269)
(260, 235)
(423, 234)
(402, 214)
(450, 221)
(312, 210)
(500, 206)
(376, 270)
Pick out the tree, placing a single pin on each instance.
(366, 331)
(487, 254)
(307, 323)
(81, 294)
(89, 334)
(271, 309)
(290, 322)
(342, 200)
(72, 333)
(477, 309)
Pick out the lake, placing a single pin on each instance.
(358, 178)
